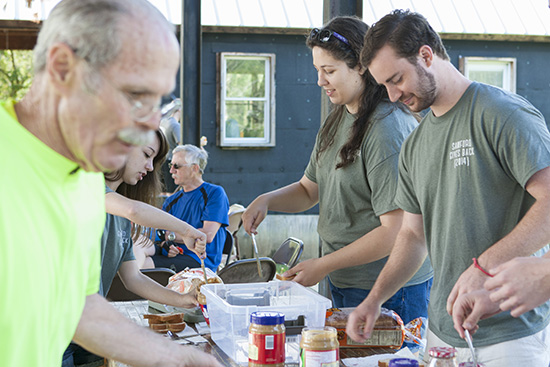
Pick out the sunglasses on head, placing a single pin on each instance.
(324, 35)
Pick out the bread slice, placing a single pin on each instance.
(173, 318)
(159, 328)
(176, 328)
(281, 277)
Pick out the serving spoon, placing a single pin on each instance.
(471, 346)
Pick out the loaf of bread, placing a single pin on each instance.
(191, 280)
(388, 330)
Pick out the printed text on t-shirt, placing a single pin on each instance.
(461, 151)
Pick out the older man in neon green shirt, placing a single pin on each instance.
(96, 93)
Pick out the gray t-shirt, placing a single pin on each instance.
(351, 199)
(116, 248)
(465, 172)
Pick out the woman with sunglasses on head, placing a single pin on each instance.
(352, 174)
(129, 196)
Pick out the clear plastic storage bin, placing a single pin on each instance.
(230, 306)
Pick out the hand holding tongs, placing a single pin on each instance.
(256, 254)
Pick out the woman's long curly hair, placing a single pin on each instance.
(354, 30)
(146, 190)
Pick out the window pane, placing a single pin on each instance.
(245, 119)
(489, 77)
(245, 78)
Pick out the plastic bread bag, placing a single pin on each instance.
(187, 280)
(415, 331)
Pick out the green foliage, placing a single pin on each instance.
(16, 73)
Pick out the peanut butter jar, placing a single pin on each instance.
(266, 339)
(319, 347)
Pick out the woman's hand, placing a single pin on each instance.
(195, 241)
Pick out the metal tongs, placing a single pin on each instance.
(256, 254)
(471, 346)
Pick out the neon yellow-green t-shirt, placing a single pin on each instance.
(51, 220)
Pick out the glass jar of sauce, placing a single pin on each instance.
(442, 357)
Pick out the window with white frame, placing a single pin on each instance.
(497, 71)
(246, 96)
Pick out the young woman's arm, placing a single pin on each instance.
(150, 216)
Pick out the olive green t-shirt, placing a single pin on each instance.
(466, 172)
(351, 199)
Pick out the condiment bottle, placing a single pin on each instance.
(266, 339)
(403, 362)
(442, 357)
(319, 347)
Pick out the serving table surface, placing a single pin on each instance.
(135, 310)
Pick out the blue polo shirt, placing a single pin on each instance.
(207, 202)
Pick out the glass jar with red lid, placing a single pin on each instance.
(442, 357)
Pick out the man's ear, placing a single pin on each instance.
(426, 54)
(61, 65)
(363, 69)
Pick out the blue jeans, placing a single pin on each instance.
(408, 302)
(75, 355)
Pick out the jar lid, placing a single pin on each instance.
(403, 362)
(267, 318)
(442, 352)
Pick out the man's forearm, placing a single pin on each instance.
(104, 331)
(407, 256)
(530, 235)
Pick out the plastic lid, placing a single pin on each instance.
(267, 318)
(403, 362)
(442, 352)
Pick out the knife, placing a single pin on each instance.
(471, 346)
(256, 254)
(204, 271)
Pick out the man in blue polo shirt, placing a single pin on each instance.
(203, 205)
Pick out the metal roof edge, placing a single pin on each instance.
(255, 30)
(495, 37)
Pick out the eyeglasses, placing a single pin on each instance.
(324, 35)
(178, 166)
(143, 108)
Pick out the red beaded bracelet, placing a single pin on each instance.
(476, 264)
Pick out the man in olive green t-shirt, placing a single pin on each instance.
(473, 182)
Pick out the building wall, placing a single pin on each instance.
(533, 76)
(247, 173)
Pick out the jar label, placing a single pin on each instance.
(319, 358)
(266, 348)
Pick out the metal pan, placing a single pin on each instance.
(246, 271)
